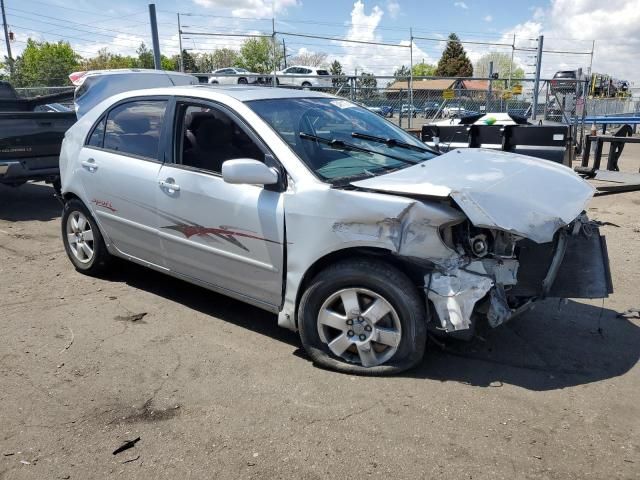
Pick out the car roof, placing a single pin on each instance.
(241, 93)
(307, 66)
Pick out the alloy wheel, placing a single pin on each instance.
(80, 237)
(360, 326)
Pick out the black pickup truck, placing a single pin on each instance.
(31, 131)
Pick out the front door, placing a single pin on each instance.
(228, 236)
(120, 167)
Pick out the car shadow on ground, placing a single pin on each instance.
(203, 301)
(559, 344)
(31, 201)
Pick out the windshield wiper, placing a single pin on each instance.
(390, 142)
(340, 145)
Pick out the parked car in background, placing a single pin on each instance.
(32, 129)
(31, 132)
(351, 230)
(384, 110)
(94, 86)
(456, 110)
(407, 110)
(430, 109)
(303, 76)
(565, 81)
(229, 76)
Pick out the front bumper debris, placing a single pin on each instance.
(574, 265)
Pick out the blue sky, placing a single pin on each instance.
(568, 25)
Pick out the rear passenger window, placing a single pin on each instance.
(95, 140)
(135, 127)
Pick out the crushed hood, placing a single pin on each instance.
(527, 196)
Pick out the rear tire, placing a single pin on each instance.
(82, 239)
(242, 81)
(382, 332)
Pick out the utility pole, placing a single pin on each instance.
(536, 84)
(410, 115)
(6, 38)
(274, 79)
(284, 53)
(513, 49)
(180, 45)
(154, 36)
(490, 85)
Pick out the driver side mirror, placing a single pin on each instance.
(248, 171)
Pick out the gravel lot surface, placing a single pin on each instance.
(214, 389)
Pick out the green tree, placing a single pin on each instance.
(339, 78)
(501, 65)
(106, 60)
(45, 64)
(189, 62)
(219, 58)
(367, 85)
(145, 57)
(257, 55)
(454, 61)
(402, 73)
(424, 70)
(170, 63)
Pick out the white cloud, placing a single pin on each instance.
(488, 18)
(462, 5)
(571, 25)
(393, 8)
(249, 8)
(378, 59)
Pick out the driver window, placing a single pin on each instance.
(210, 137)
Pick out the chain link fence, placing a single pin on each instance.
(413, 103)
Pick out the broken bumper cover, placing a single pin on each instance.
(574, 265)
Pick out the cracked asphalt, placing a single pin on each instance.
(214, 389)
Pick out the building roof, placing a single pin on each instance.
(423, 84)
(475, 84)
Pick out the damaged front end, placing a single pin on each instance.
(501, 275)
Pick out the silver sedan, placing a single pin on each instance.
(350, 230)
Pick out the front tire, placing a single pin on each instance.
(363, 317)
(82, 239)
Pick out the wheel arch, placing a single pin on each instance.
(414, 271)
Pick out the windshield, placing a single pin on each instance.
(242, 70)
(338, 140)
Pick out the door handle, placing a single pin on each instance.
(89, 164)
(169, 185)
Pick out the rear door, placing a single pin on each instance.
(224, 235)
(120, 164)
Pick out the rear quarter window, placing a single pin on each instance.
(322, 72)
(97, 135)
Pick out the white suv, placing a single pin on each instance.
(302, 76)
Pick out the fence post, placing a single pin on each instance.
(537, 80)
(410, 114)
(400, 112)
